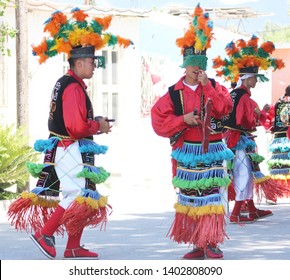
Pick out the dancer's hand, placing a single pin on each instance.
(266, 107)
(105, 126)
(191, 119)
(202, 77)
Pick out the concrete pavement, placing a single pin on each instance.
(137, 230)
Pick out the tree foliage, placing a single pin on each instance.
(6, 31)
(276, 33)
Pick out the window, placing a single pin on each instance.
(105, 104)
(105, 87)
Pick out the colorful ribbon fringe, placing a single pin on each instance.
(31, 211)
(198, 224)
(94, 210)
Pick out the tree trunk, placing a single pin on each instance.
(22, 66)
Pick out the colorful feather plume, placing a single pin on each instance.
(242, 54)
(199, 33)
(65, 34)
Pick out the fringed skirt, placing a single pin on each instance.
(279, 163)
(247, 176)
(201, 180)
(71, 168)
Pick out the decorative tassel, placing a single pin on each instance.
(200, 184)
(89, 209)
(46, 145)
(245, 143)
(34, 169)
(89, 146)
(213, 229)
(30, 211)
(266, 187)
(178, 227)
(198, 225)
(284, 182)
(96, 174)
(191, 154)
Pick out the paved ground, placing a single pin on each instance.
(138, 226)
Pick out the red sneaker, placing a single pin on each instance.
(80, 253)
(214, 253)
(45, 244)
(259, 214)
(195, 254)
(241, 219)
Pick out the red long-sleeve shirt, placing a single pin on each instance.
(75, 110)
(270, 117)
(165, 123)
(245, 117)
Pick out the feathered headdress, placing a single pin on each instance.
(246, 57)
(65, 34)
(197, 39)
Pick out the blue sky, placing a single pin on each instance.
(278, 8)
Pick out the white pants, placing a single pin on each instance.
(68, 164)
(243, 177)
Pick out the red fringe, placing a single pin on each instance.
(78, 216)
(285, 187)
(177, 230)
(270, 189)
(23, 215)
(204, 230)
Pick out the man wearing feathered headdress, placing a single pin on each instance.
(242, 66)
(190, 115)
(70, 149)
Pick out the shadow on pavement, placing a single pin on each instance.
(143, 237)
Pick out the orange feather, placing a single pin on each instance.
(105, 22)
(268, 47)
(80, 15)
(241, 43)
(253, 42)
(123, 42)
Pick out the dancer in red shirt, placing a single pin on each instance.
(245, 59)
(190, 115)
(70, 151)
